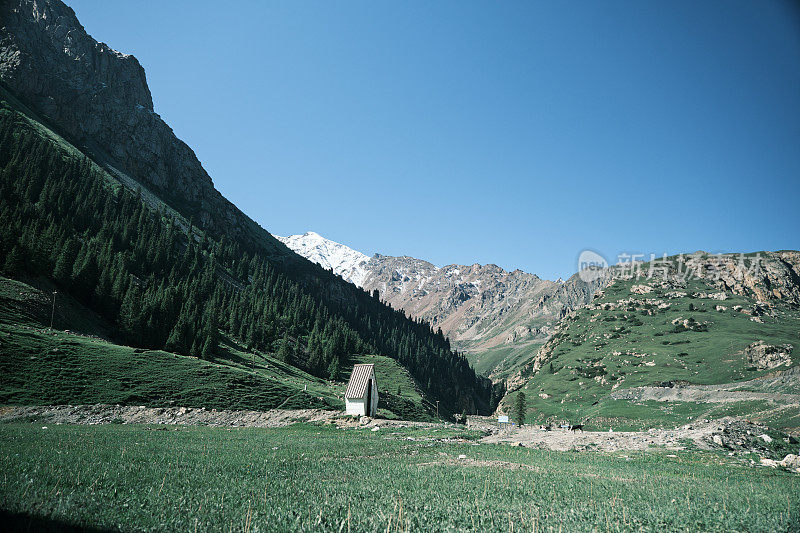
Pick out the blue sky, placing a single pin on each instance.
(515, 133)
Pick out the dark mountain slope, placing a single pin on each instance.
(166, 258)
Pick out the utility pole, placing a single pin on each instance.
(437, 408)
(53, 314)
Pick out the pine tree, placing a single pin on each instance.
(285, 349)
(62, 272)
(209, 346)
(333, 369)
(130, 314)
(13, 263)
(520, 408)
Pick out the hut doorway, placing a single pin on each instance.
(369, 399)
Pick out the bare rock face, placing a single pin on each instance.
(791, 462)
(93, 92)
(765, 275)
(99, 99)
(766, 356)
(477, 306)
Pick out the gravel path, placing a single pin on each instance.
(727, 433)
(108, 414)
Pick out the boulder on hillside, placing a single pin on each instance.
(768, 356)
(791, 462)
(641, 289)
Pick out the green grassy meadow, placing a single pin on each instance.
(320, 478)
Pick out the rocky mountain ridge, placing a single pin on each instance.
(478, 307)
(340, 259)
(98, 98)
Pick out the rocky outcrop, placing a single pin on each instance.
(765, 356)
(99, 99)
(477, 306)
(763, 275)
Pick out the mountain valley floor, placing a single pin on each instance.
(337, 475)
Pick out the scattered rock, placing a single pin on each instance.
(792, 462)
(768, 356)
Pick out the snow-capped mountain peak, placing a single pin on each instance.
(342, 260)
(477, 306)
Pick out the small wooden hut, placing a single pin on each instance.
(361, 396)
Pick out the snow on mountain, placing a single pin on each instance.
(342, 260)
(479, 307)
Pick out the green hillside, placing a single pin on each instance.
(501, 362)
(60, 366)
(661, 334)
(149, 277)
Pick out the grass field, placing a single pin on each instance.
(311, 478)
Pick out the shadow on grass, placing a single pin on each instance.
(225, 352)
(15, 522)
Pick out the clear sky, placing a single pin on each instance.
(515, 133)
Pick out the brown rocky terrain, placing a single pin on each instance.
(756, 443)
(478, 307)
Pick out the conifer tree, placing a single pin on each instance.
(520, 408)
(62, 271)
(285, 349)
(13, 262)
(333, 369)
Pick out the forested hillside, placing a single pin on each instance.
(167, 285)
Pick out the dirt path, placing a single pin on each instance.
(728, 433)
(564, 439)
(109, 414)
(189, 416)
(780, 388)
(704, 394)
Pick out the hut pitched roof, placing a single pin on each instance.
(357, 385)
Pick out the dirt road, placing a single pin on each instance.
(127, 414)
